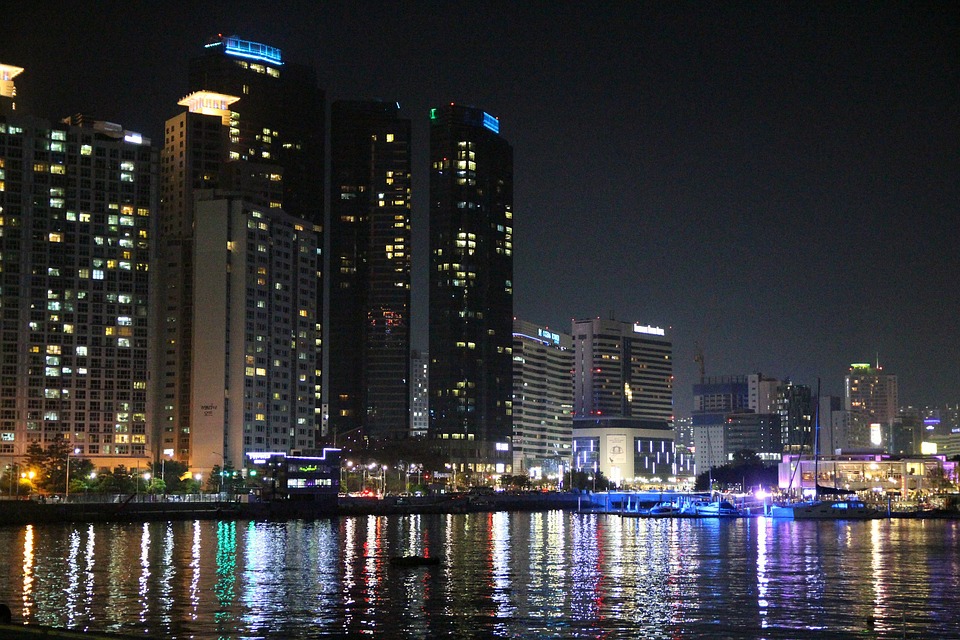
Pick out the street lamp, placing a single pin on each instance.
(66, 493)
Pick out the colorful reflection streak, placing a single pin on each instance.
(506, 575)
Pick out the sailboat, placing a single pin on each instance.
(844, 506)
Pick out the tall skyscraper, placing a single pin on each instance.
(794, 406)
(253, 125)
(369, 324)
(77, 210)
(471, 284)
(870, 395)
(542, 398)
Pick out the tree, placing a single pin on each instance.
(746, 469)
(171, 472)
(587, 481)
(50, 466)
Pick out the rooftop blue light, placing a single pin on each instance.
(490, 122)
(252, 50)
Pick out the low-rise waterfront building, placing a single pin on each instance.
(876, 472)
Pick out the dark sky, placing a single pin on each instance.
(777, 182)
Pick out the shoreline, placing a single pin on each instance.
(21, 512)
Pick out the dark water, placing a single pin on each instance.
(503, 575)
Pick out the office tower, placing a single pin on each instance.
(419, 394)
(542, 398)
(623, 401)
(834, 425)
(471, 286)
(871, 398)
(253, 372)
(252, 125)
(77, 208)
(369, 323)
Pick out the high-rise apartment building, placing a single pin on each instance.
(542, 398)
(870, 395)
(471, 285)
(369, 323)
(253, 125)
(254, 291)
(77, 213)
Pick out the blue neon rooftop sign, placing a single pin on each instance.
(234, 46)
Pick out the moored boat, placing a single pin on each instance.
(718, 509)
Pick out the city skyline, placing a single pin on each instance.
(775, 184)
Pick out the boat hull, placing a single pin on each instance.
(824, 510)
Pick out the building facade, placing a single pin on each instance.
(622, 370)
(542, 398)
(419, 393)
(369, 323)
(623, 401)
(471, 287)
(77, 215)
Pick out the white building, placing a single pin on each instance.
(255, 332)
(542, 398)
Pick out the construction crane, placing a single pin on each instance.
(698, 358)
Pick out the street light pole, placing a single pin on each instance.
(66, 493)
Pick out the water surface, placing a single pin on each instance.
(503, 575)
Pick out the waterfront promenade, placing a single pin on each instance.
(147, 508)
(142, 507)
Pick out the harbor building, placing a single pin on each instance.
(77, 217)
(471, 289)
(878, 473)
(623, 402)
(369, 321)
(252, 127)
(542, 399)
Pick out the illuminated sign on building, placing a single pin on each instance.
(876, 433)
(549, 335)
(653, 331)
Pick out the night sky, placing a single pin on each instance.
(777, 182)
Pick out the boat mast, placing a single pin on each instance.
(816, 447)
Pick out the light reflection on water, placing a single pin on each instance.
(506, 575)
